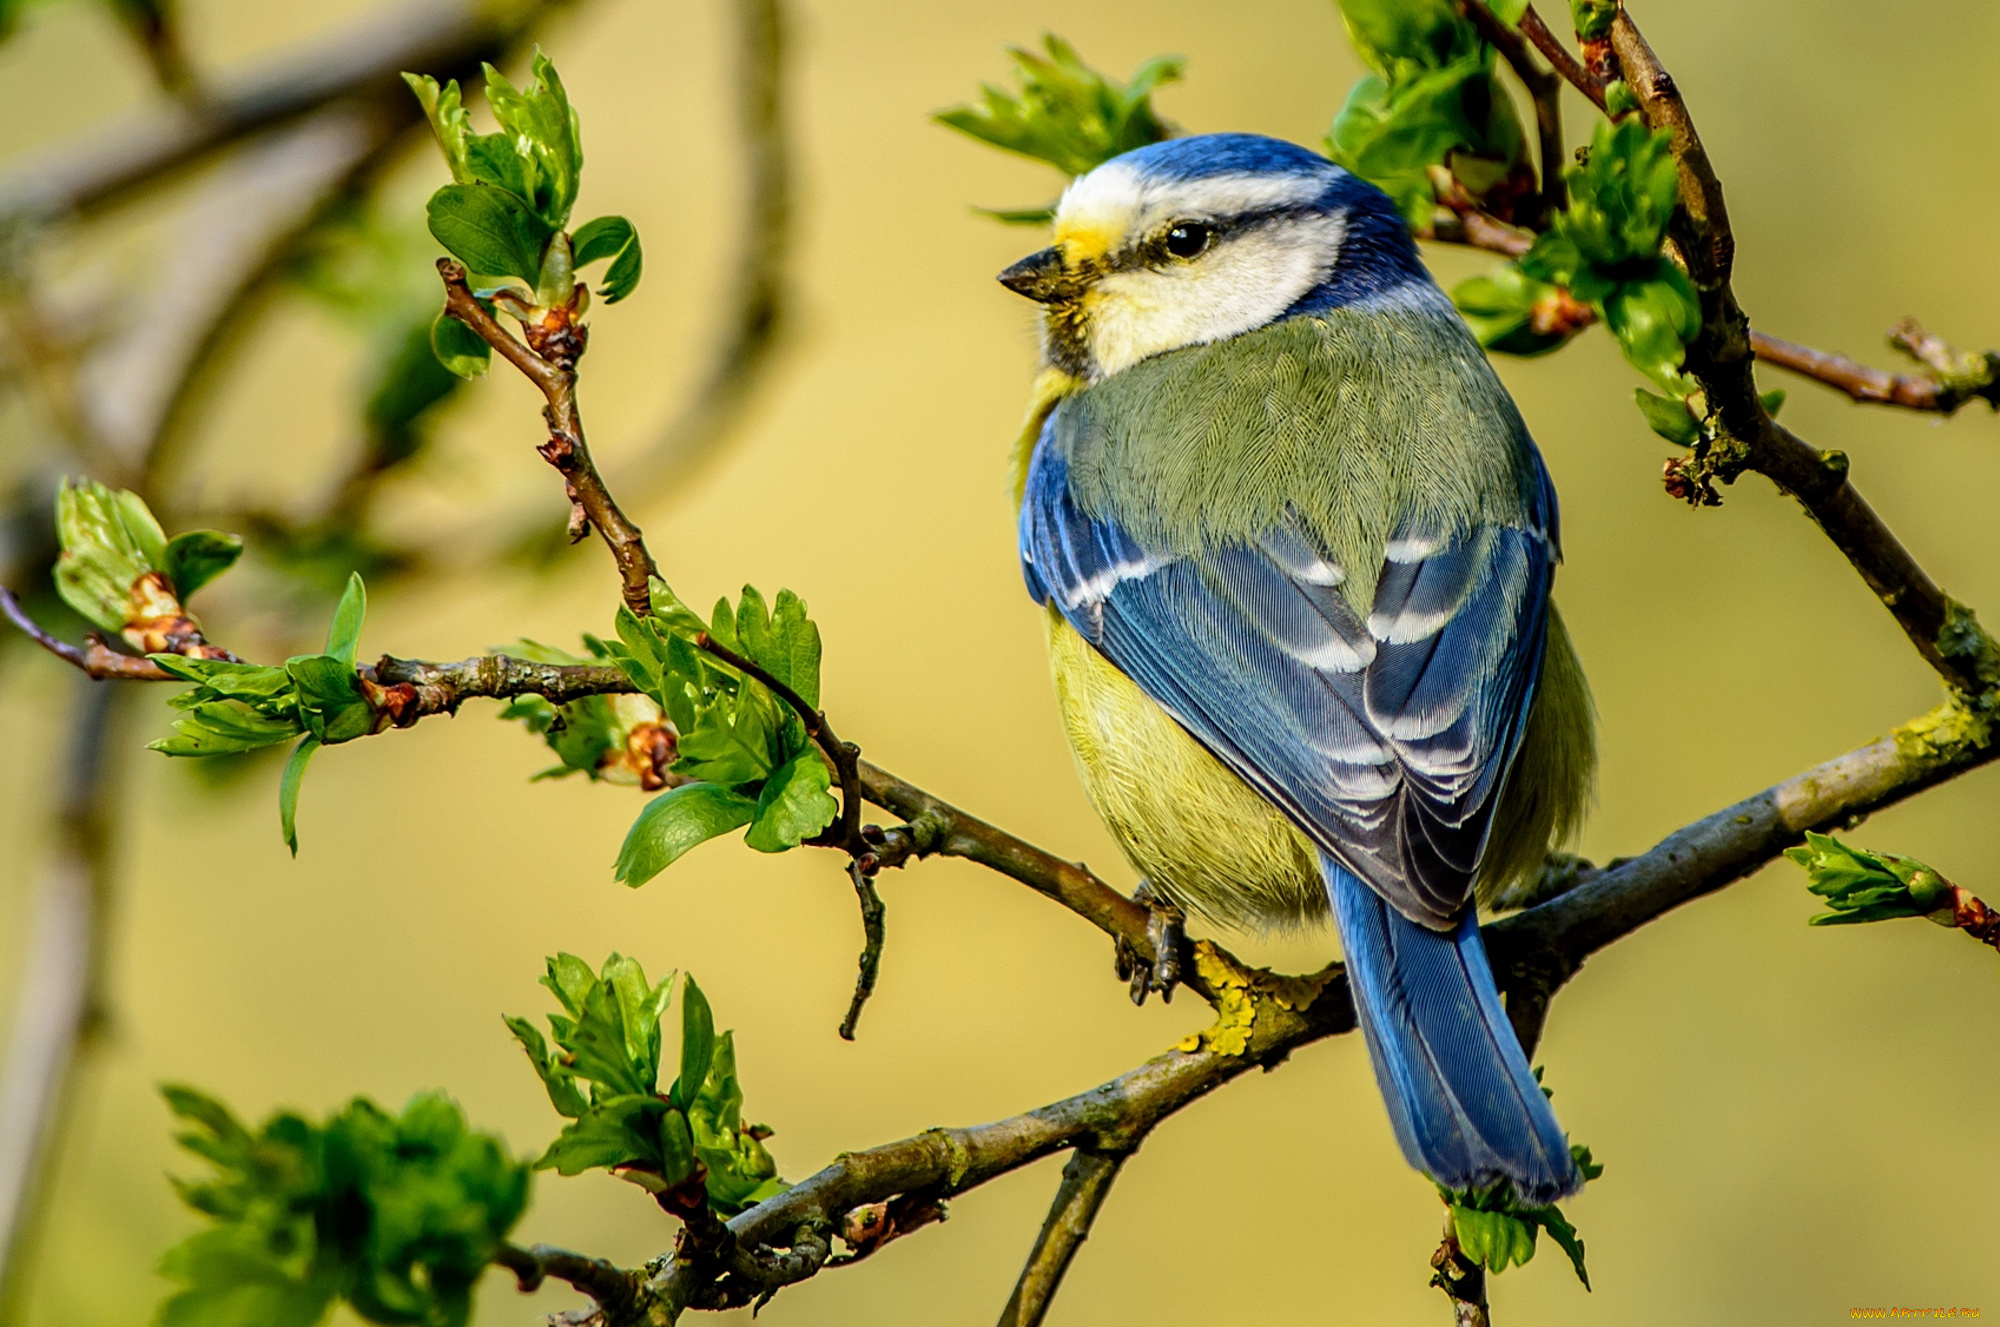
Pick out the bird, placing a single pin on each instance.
(1294, 547)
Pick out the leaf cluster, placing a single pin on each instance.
(510, 199)
(1432, 97)
(746, 753)
(603, 1076)
(117, 565)
(1604, 248)
(1497, 1232)
(1067, 113)
(593, 736)
(1867, 886)
(394, 1214)
(236, 707)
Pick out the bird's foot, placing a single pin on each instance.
(1164, 923)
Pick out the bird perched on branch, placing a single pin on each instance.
(1295, 546)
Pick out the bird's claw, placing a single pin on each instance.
(1164, 924)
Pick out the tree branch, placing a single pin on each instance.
(1720, 358)
(1086, 1182)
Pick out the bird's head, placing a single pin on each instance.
(1196, 240)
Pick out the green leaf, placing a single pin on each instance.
(570, 978)
(1068, 114)
(1494, 1240)
(1593, 17)
(794, 804)
(1668, 417)
(490, 230)
(561, 1083)
(741, 1172)
(784, 642)
(1564, 1234)
(460, 349)
(544, 129)
(619, 1131)
(1862, 886)
(449, 121)
(735, 740)
(616, 239)
(225, 728)
(288, 791)
(330, 703)
(109, 541)
(697, 1044)
(1653, 321)
(1773, 401)
(676, 1148)
(675, 821)
(1501, 308)
(194, 559)
(343, 638)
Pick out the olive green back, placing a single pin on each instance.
(1356, 419)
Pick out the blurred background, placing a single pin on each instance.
(1793, 1122)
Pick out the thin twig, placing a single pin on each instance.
(96, 660)
(873, 921)
(1462, 1280)
(1544, 89)
(565, 449)
(1086, 1182)
(1566, 65)
(611, 1286)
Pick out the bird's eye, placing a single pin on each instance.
(1188, 239)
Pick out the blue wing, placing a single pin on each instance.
(1385, 739)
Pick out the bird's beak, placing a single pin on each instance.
(1041, 277)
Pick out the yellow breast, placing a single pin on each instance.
(1185, 822)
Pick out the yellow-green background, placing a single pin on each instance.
(1794, 1121)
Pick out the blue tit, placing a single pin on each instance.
(1295, 548)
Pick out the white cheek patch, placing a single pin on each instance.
(1240, 285)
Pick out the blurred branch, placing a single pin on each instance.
(155, 28)
(752, 324)
(62, 1012)
(1086, 1181)
(103, 166)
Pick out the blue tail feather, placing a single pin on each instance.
(1465, 1106)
